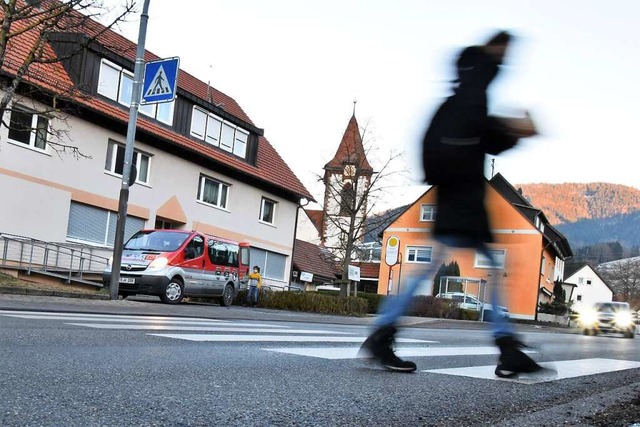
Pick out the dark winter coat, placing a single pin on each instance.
(460, 135)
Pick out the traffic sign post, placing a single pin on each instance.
(392, 249)
(127, 177)
(160, 80)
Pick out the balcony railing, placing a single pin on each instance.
(72, 263)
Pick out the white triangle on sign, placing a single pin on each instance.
(159, 85)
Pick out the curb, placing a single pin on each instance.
(45, 293)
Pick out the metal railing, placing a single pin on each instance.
(66, 261)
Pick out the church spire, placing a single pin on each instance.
(350, 150)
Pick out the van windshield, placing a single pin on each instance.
(156, 240)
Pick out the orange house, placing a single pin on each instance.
(531, 251)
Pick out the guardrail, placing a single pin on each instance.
(65, 261)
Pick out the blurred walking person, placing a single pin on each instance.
(455, 144)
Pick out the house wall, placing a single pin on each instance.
(36, 190)
(597, 291)
(306, 231)
(512, 232)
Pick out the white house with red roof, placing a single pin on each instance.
(201, 162)
(590, 287)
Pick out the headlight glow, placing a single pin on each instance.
(623, 318)
(588, 317)
(158, 263)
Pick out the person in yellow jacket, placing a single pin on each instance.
(255, 284)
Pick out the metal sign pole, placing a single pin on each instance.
(128, 153)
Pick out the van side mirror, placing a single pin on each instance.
(190, 252)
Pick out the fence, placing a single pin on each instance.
(73, 263)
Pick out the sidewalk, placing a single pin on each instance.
(52, 301)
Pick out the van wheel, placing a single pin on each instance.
(174, 292)
(629, 334)
(227, 296)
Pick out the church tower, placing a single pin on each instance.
(346, 179)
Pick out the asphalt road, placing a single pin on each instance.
(133, 363)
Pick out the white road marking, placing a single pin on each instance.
(564, 368)
(115, 318)
(270, 338)
(335, 353)
(53, 315)
(118, 319)
(237, 327)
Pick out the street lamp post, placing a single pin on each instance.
(128, 154)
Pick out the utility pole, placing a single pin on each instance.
(127, 176)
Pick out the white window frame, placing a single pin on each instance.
(139, 155)
(156, 109)
(102, 89)
(427, 208)
(240, 142)
(33, 131)
(153, 113)
(273, 211)
(235, 144)
(542, 265)
(481, 261)
(221, 185)
(195, 131)
(412, 252)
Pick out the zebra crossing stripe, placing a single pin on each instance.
(564, 369)
(55, 315)
(336, 353)
(237, 327)
(136, 319)
(271, 338)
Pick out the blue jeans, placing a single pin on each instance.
(395, 307)
(252, 294)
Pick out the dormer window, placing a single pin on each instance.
(117, 83)
(217, 132)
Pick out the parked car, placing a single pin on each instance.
(613, 317)
(471, 302)
(174, 264)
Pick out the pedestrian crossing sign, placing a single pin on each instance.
(160, 80)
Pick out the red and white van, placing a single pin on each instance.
(174, 264)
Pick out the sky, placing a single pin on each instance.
(296, 67)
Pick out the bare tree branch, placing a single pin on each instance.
(25, 33)
(352, 193)
(624, 277)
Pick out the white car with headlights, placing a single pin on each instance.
(608, 317)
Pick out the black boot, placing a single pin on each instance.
(379, 345)
(513, 360)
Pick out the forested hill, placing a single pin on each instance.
(568, 203)
(589, 214)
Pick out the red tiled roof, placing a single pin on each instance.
(350, 149)
(315, 216)
(270, 167)
(309, 257)
(369, 270)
